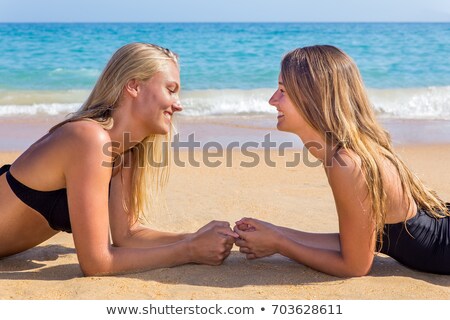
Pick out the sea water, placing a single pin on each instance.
(226, 68)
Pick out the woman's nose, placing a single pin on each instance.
(176, 107)
(273, 101)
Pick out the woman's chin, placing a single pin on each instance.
(159, 131)
(165, 130)
(280, 127)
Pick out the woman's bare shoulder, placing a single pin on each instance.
(83, 133)
(345, 173)
(86, 141)
(345, 163)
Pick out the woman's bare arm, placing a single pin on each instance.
(329, 241)
(87, 181)
(356, 239)
(125, 233)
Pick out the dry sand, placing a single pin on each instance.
(297, 197)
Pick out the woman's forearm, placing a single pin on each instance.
(143, 237)
(328, 241)
(209, 245)
(325, 260)
(117, 260)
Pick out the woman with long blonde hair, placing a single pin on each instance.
(94, 175)
(381, 204)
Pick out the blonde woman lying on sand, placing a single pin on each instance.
(86, 176)
(381, 205)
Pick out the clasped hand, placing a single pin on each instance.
(212, 243)
(257, 238)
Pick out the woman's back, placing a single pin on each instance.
(398, 207)
(30, 192)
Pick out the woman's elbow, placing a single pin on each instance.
(95, 271)
(122, 240)
(96, 267)
(357, 273)
(359, 270)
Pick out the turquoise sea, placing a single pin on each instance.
(226, 68)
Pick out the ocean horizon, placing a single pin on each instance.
(48, 69)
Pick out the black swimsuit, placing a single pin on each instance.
(423, 245)
(52, 205)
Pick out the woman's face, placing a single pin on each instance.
(291, 120)
(157, 100)
(289, 117)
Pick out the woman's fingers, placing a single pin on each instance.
(241, 226)
(245, 250)
(226, 255)
(250, 222)
(241, 234)
(214, 224)
(250, 256)
(227, 232)
(241, 243)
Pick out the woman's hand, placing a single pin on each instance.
(212, 243)
(257, 238)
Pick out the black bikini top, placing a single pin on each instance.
(53, 205)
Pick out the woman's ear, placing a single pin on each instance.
(132, 87)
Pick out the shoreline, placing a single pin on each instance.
(17, 134)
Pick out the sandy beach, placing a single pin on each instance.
(298, 197)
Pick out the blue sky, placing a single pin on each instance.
(225, 11)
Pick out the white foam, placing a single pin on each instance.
(227, 102)
(82, 72)
(51, 109)
(411, 103)
(420, 103)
